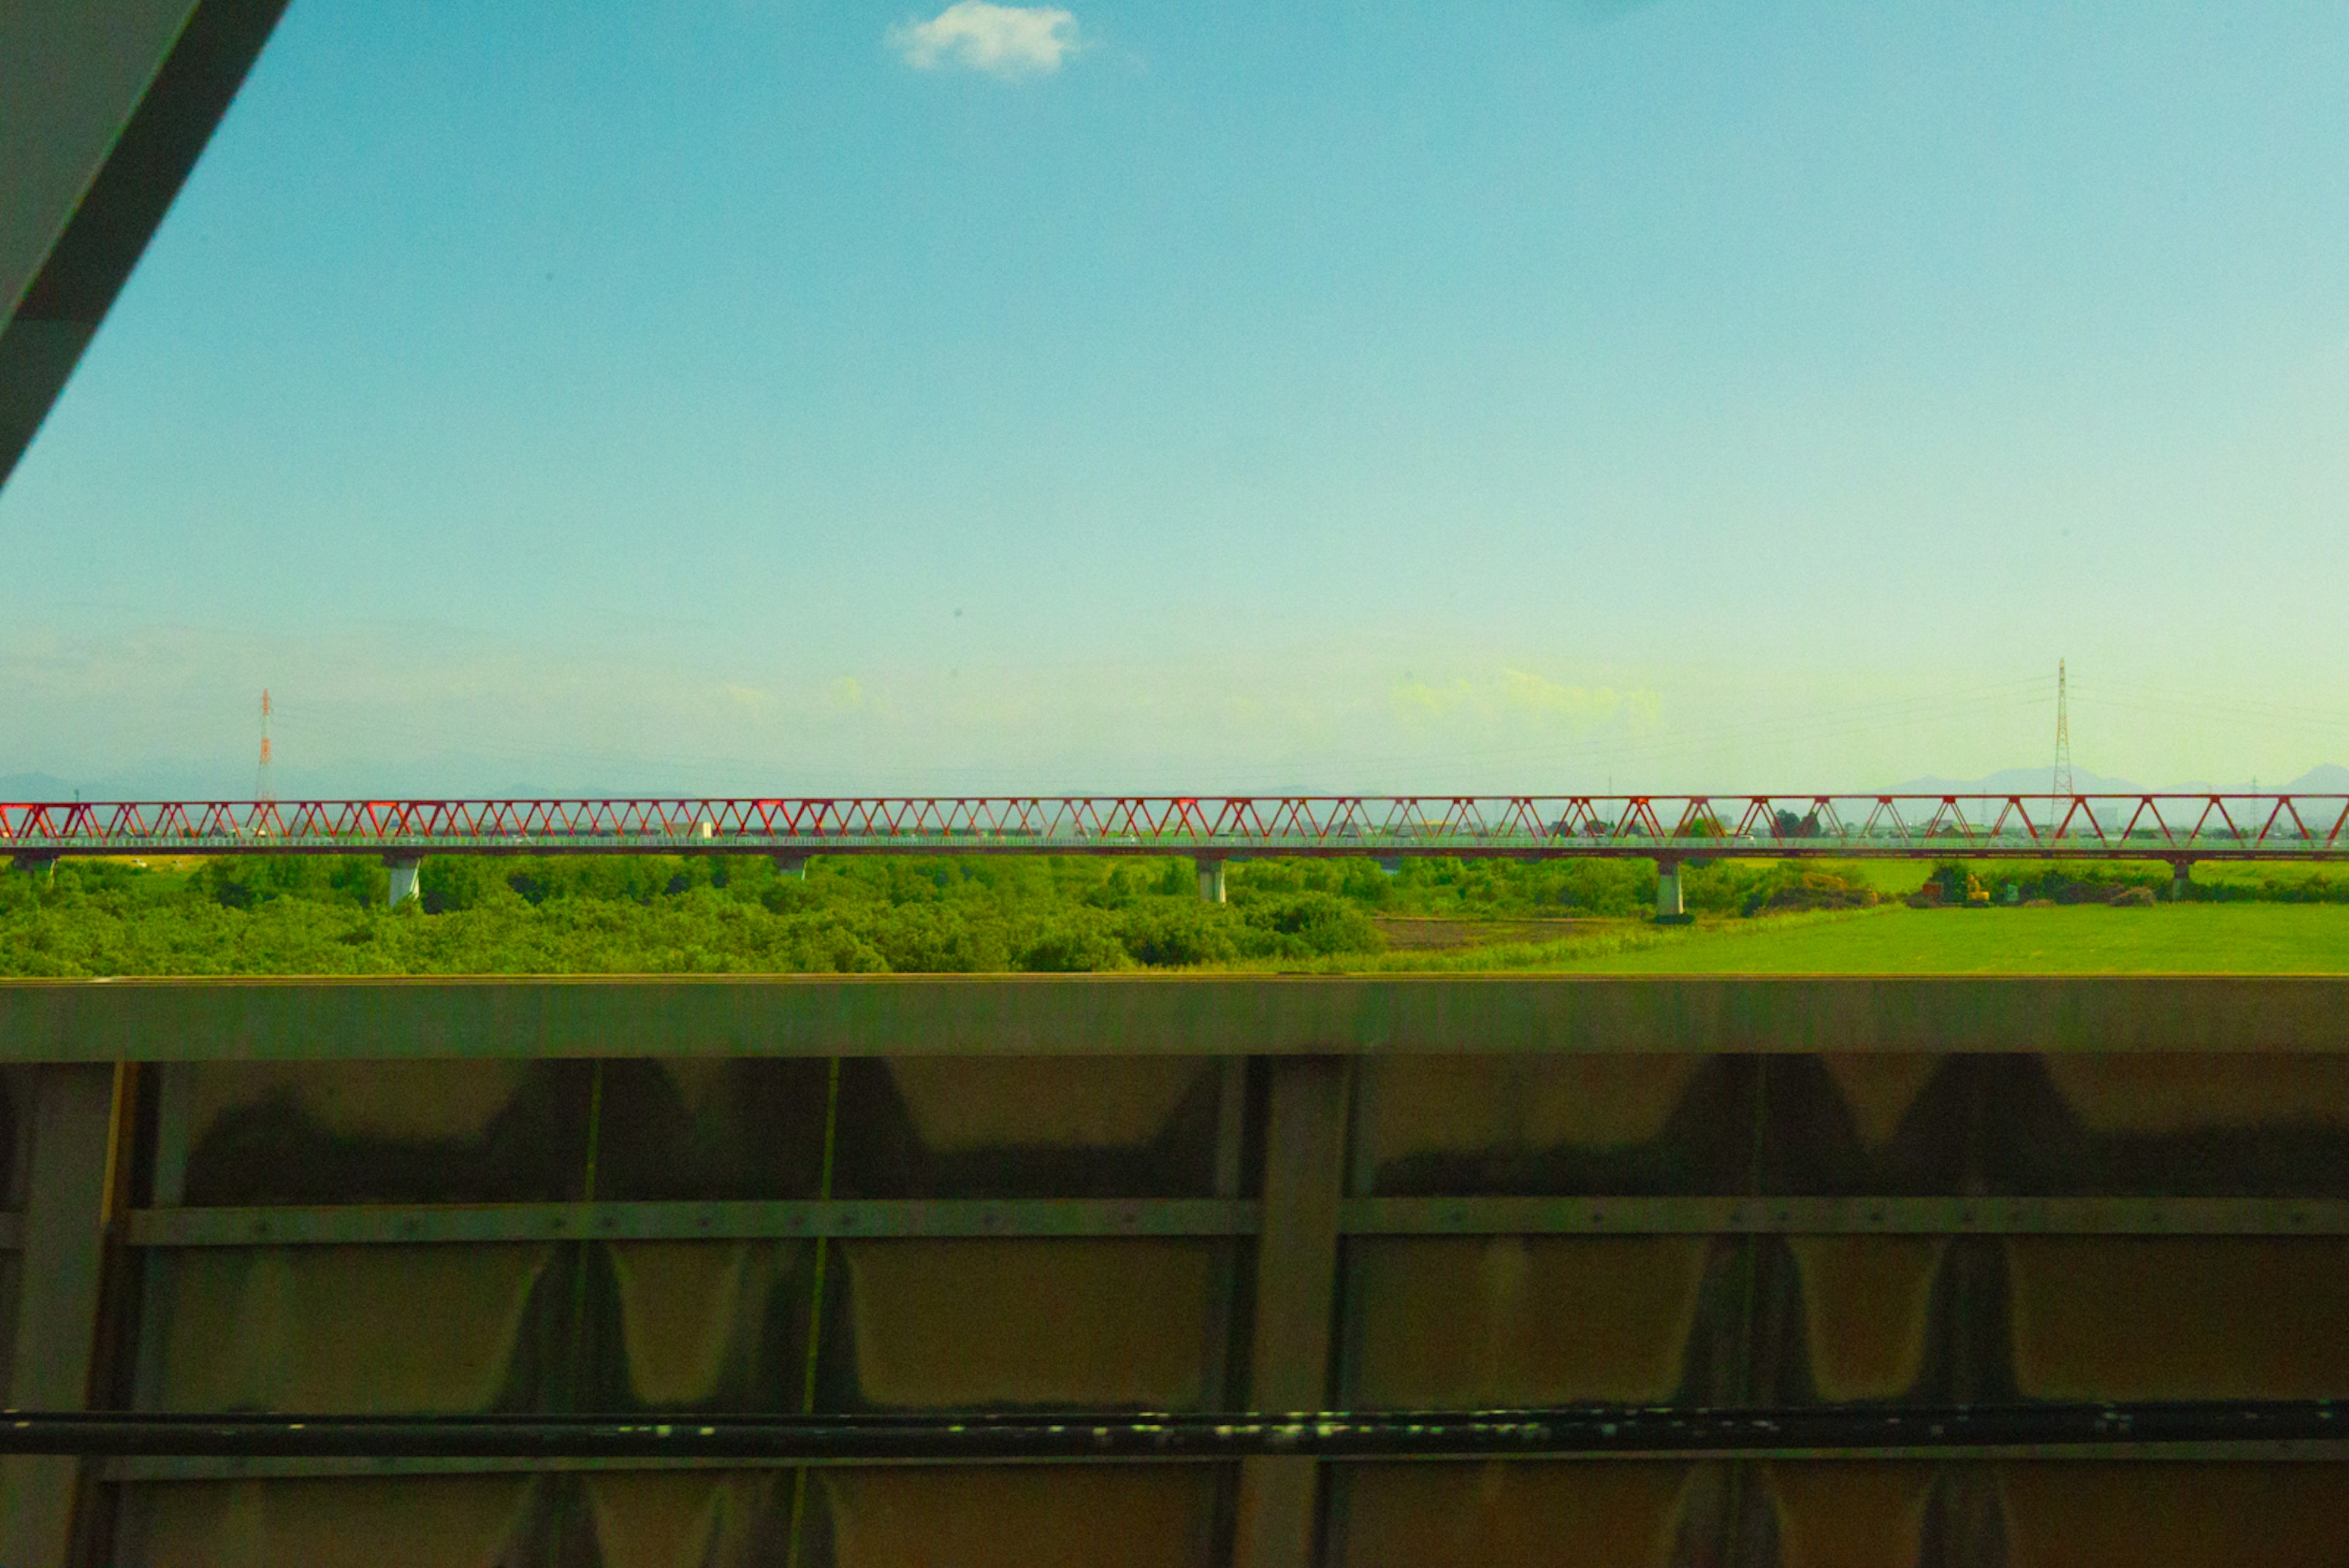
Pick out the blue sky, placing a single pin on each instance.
(761, 396)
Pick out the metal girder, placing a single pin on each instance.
(434, 1224)
(1909, 1216)
(738, 1222)
(104, 107)
(1308, 1106)
(1200, 1015)
(1800, 827)
(72, 73)
(203, 1466)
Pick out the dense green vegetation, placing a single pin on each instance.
(326, 914)
(618, 914)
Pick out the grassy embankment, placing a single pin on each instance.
(2183, 938)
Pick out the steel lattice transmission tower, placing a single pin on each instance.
(263, 789)
(2062, 785)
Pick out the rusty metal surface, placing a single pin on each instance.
(1195, 1015)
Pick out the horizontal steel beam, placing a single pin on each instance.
(767, 1221)
(1582, 1429)
(1196, 1015)
(42, 853)
(1910, 1216)
(153, 1467)
(387, 1225)
(1799, 826)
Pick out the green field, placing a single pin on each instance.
(2239, 938)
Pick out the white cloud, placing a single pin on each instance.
(1002, 40)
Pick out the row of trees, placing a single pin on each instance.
(327, 915)
(457, 883)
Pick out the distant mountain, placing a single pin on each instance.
(2326, 778)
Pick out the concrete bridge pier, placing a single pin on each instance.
(793, 866)
(1667, 890)
(2182, 875)
(404, 871)
(1211, 876)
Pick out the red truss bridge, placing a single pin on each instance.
(2173, 826)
